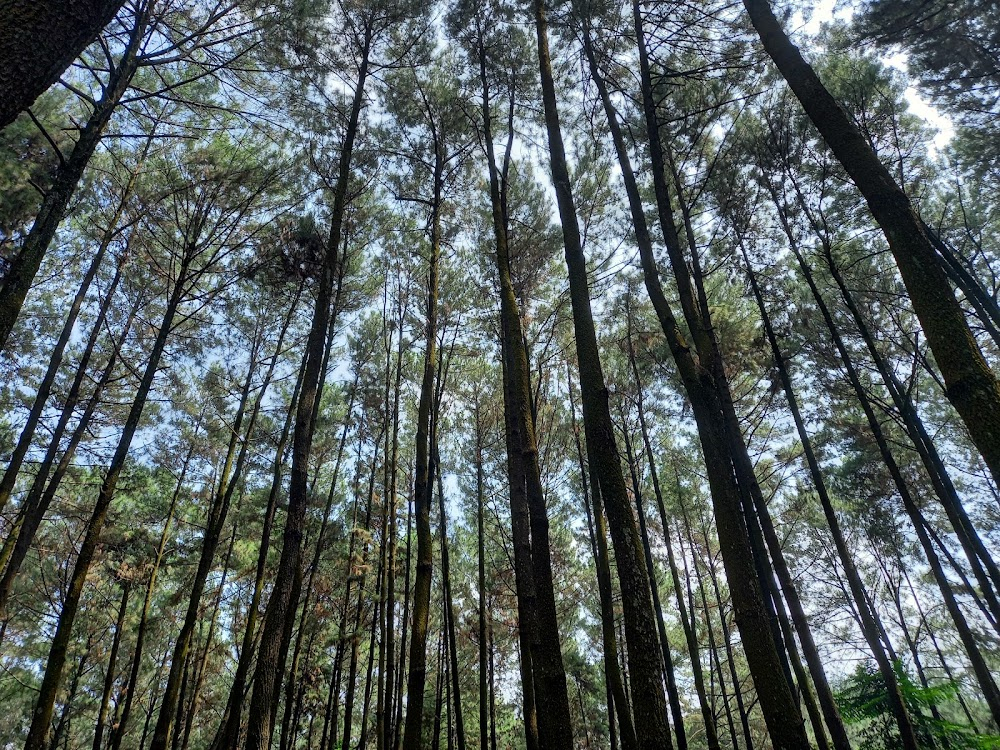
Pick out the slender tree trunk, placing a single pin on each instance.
(712, 644)
(423, 484)
(41, 494)
(690, 633)
(201, 668)
(271, 656)
(109, 675)
(227, 735)
(980, 560)
(701, 382)
(602, 563)
(673, 696)
(990, 691)
(522, 461)
(55, 359)
(868, 617)
(215, 522)
(449, 604)
(42, 714)
(641, 638)
(131, 687)
(61, 731)
(484, 688)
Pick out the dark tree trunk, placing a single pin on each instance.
(971, 385)
(42, 491)
(868, 617)
(449, 605)
(983, 675)
(640, 625)
(39, 39)
(19, 277)
(271, 655)
(690, 633)
(618, 705)
(132, 686)
(109, 675)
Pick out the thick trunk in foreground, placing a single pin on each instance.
(19, 277)
(39, 39)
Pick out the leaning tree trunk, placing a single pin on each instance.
(43, 488)
(868, 617)
(42, 714)
(779, 706)
(970, 384)
(602, 563)
(983, 675)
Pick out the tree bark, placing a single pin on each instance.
(271, 656)
(19, 277)
(42, 713)
(39, 39)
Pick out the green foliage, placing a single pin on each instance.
(864, 701)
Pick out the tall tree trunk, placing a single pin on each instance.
(271, 656)
(522, 455)
(181, 739)
(602, 563)
(43, 490)
(673, 697)
(690, 633)
(640, 625)
(705, 390)
(980, 560)
(484, 688)
(449, 603)
(217, 514)
(55, 359)
(983, 675)
(423, 483)
(109, 675)
(132, 686)
(869, 626)
(227, 735)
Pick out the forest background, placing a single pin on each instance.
(490, 373)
